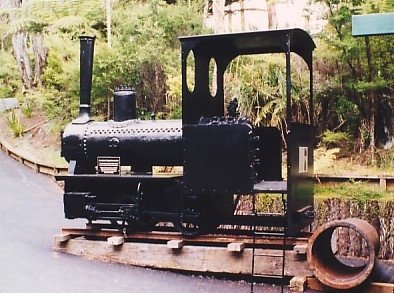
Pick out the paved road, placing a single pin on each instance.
(31, 213)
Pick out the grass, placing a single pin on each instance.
(353, 190)
(14, 124)
(329, 161)
(361, 196)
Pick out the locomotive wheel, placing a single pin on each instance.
(191, 223)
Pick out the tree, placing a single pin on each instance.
(218, 13)
(108, 10)
(362, 69)
(147, 38)
(26, 34)
(143, 51)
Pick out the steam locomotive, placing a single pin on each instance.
(211, 158)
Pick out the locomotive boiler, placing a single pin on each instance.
(211, 158)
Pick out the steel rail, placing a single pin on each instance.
(208, 239)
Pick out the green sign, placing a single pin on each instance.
(373, 24)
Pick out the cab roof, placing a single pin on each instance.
(223, 48)
(255, 42)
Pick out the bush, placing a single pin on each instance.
(385, 159)
(9, 78)
(14, 124)
(28, 108)
(331, 139)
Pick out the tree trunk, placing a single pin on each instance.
(19, 44)
(10, 3)
(218, 14)
(272, 18)
(242, 11)
(108, 9)
(373, 103)
(20, 52)
(40, 55)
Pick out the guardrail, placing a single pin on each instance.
(32, 163)
(385, 182)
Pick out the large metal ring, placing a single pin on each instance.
(329, 269)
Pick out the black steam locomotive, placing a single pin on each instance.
(210, 158)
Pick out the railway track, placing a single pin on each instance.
(206, 254)
(216, 240)
(229, 254)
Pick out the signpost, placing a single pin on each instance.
(373, 24)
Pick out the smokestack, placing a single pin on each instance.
(85, 83)
(124, 104)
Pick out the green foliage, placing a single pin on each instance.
(331, 139)
(385, 159)
(14, 124)
(6, 89)
(62, 71)
(174, 97)
(60, 106)
(59, 97)
(181, 21)
(144, 36)
(28, 108)
(336, 111)
(151, 31)
(259, 84)
(9, 79)
(269, 203)
(68, 17)
(69, 24)
(147, 49)
(352, 190)
(359, 193)
(351, 98)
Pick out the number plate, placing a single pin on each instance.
(108, 165)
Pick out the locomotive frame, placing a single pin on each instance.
(222, 155)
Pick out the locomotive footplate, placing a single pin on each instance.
(117, 178)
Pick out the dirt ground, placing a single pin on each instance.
(38, 142)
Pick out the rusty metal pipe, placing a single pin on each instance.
(331, 271)
(383, 271)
